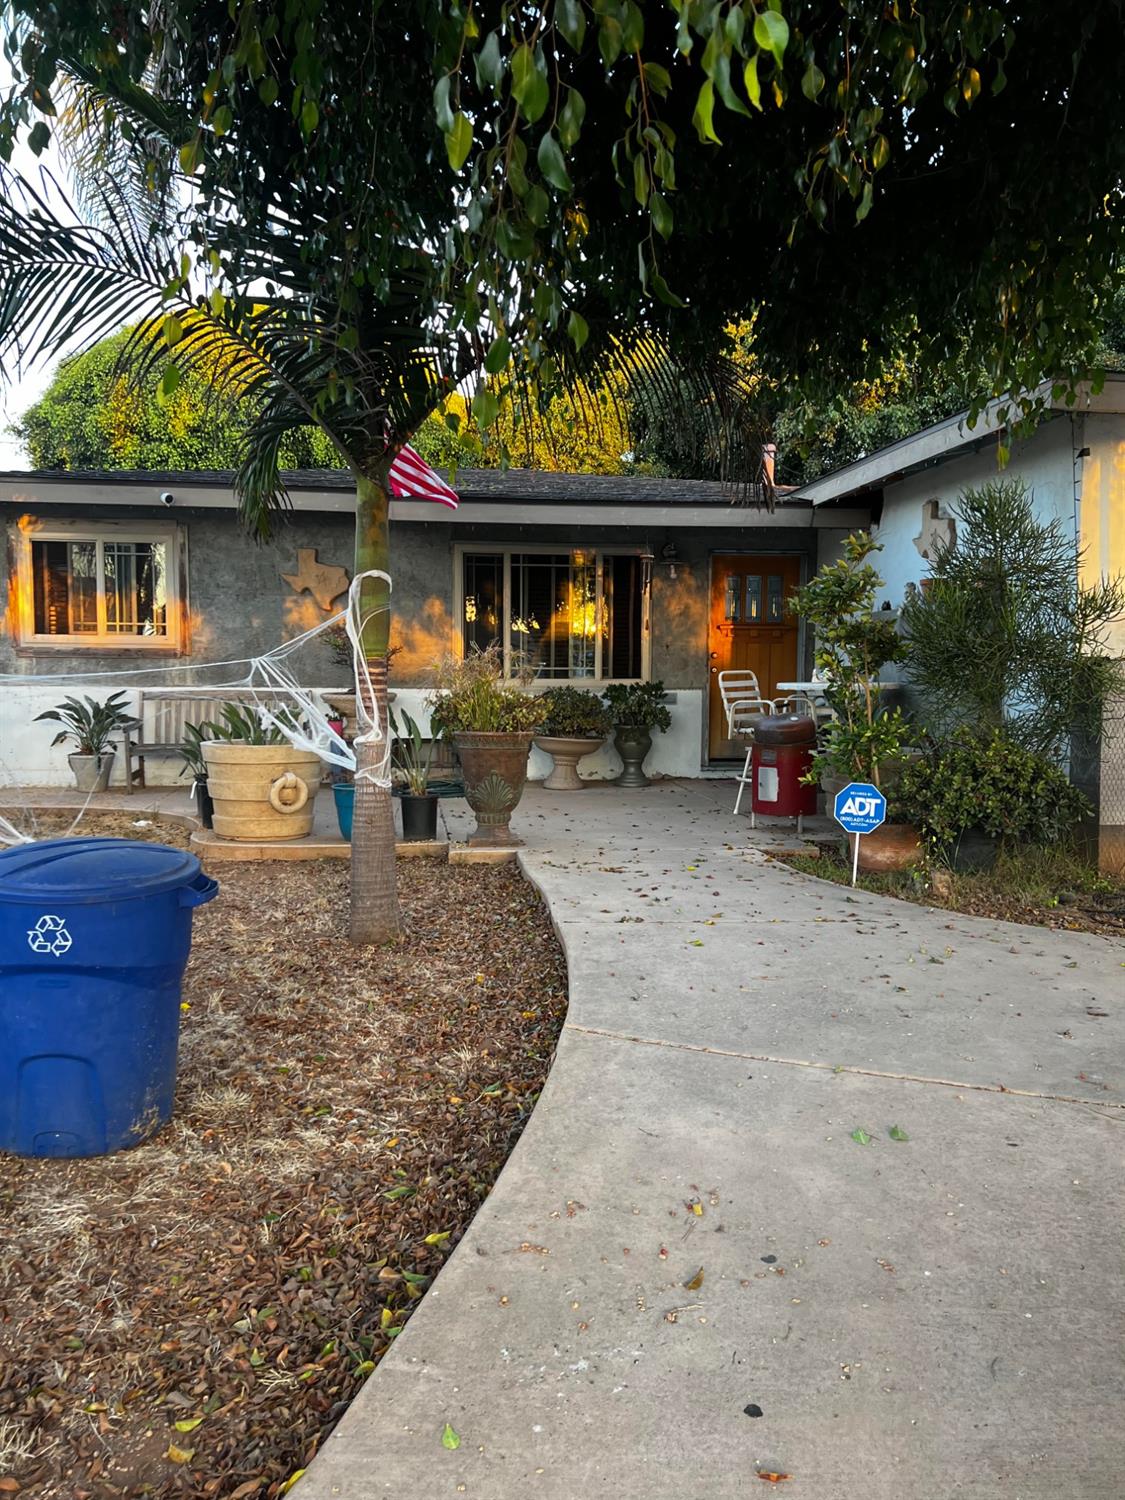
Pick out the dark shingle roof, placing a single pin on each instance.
(470, 484)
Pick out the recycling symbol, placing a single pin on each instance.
(49, 935)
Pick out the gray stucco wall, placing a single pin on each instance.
(241, 606)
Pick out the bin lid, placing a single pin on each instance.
(92, 870)
(785, 729)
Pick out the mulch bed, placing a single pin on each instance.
(192, 1317)
(1072, 908)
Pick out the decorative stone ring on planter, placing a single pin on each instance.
(495, 767)
(261, 791)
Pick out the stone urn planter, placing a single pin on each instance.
(632, 744)
(495, 767)
(92, 772)
(567, 751)
(894, 846)
(261, 791)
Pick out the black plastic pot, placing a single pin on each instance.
(419, 818)
(973, 852)
(204, 804)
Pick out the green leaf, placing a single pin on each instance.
(309, 116)
(702, 119)
(578, 329)
(640, 179)
(168, 382)
(771, 32)
(485, 410)
(880, 152)
(222, 119)
(438, 1238)
(498, 356)
(552, 163)
(812, 81)
(860, 1136)
(571, 21)
(267, 91)
(897, 1133)
(190, 156)
(529, 83)
(450, 1439)
(752, 82)
(459, 140)
(536, 204)
(173, 330)
(490, 65)
(190, 1425)
(571, 116)
(443, 110)
(865, 203)
(661, 212)
(39, 137)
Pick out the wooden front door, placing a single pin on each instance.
(752, 630)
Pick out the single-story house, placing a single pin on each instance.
(591, 579)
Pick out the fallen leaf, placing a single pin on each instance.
(450, 1439)
(437, 1239)
(897, 1133)
(860, 1136)
(290, 1482)
(696, 1281)
(772, 1477)
(179, 1455)
(188, 1426)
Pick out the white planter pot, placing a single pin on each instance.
(92, 772)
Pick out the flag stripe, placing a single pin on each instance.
(411, 478)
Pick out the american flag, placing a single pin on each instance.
(411, 479)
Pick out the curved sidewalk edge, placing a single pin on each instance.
(708, 1258)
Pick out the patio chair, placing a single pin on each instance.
(744, 706)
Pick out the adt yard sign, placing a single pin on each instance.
(860, 808)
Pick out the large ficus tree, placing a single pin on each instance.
(352, 209)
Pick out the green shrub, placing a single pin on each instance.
(989, 783)
(472, 695)
(573, 713)
(638, 705)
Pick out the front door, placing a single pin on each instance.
(752, 630)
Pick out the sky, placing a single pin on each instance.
(20, 389)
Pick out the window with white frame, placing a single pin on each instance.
(563, 614)
(102, 585)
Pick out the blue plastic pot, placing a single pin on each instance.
(94, 938)
(344, 794)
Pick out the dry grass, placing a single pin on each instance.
(251, 1263)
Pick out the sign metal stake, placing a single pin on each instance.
(855, 856)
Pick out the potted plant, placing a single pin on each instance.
(575, 725)
(192, 752)
(490, 721)
(636, 709)
(412, 756)
(974, 791)
(261, 786)
(865, 741)
(90, 725)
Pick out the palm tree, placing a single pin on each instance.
(279, 339)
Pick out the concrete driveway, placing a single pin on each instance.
(692, 1279)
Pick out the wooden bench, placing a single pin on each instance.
(164, 715)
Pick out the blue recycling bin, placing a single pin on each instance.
(94, 938)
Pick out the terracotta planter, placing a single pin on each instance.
(261, 791)
(567, 751)
(495, 767)
(92, 772)
(632, 744)
(894, 846)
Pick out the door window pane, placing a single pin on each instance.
(753, 600)
(733, 597)
(775, 603)
(483, 623)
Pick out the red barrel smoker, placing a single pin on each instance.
(783, 749)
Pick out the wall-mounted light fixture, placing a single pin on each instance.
(669, 557)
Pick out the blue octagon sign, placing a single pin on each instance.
(860, 808)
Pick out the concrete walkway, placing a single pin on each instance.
(690, 1276)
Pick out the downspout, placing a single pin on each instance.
(1079, 454)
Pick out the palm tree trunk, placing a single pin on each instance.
(374, 899)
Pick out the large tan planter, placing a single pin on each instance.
(261, 791)
(495, 767)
